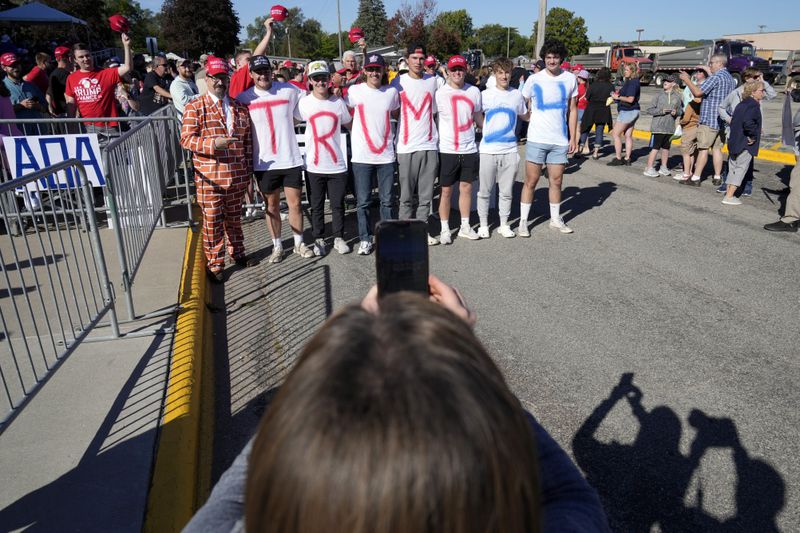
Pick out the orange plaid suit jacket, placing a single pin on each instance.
(203, 121)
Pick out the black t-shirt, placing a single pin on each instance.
(516, 74)
(151, 100)
(58, 85)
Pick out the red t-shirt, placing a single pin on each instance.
(240, 81)
(582, 101)
(94, 93)
(39, 78)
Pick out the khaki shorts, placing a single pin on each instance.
(689, 141)
(708, 138)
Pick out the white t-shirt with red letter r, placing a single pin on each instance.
(324, 119)
(273, 112)
(371, 138)
(417, 130)
(456, 127)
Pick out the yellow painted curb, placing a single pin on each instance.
(180, 474)
(773, 156)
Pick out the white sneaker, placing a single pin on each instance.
(365, 248)
(650, 172)
(560, 225)
(341, 246)
(664, 171)
(731, 201)
(445, 237)
(523, 230)
(303, 251)
(681, 177)
(483, 232)
(320, 248)
(276, 256)
(469, 233)
(506, 232)
(432, 241)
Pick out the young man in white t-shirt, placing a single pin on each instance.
(459, 105)
(502, 106)
(552, 133)
(277, 162)
(326, 166)
(372, 141)
(417, 138)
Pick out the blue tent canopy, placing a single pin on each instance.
(36, 13)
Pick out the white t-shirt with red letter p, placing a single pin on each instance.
(456, 126)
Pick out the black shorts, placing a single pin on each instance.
(270, 181)
(458, 167)
(660, 141)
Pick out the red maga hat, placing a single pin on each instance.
(119, 23)
(355, 34)
(278, 13)
(456, 62)
(8, 59)
(216, 66)
(61, 51)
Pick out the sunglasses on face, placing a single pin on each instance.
(373, 69)
(320, 79)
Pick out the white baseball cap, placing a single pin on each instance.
(316, 68)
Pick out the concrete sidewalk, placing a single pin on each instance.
(79, 456)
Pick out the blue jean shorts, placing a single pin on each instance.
(628, 117)
(550, 154)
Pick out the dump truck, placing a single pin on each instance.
(790, 70)
(614, 58)
(740, 54)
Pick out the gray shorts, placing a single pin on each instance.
(738, 166)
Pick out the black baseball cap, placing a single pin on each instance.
(416, 49)
(260, 63)
(375, 60)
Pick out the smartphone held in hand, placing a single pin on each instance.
(401, 256)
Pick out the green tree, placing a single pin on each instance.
(187, 33)
(443, 42)
(458, 22)
(410, 23)
(563, 25)
(372, 19)
(307, 37)
(143, 21)
(495, 40)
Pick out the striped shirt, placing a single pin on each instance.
(203, 121)
(715, 89)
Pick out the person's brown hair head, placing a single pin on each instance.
(630, 70)
(396, 422)
(503, 63)
(750, 73)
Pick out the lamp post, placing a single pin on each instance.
(508, 42)
(639, 36)
(540, 27)
(288, 41)
(339, 21)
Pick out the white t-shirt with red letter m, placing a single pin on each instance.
(371, 137)
(273, 112)
(416, 131)
(324, 119)
(456, 126)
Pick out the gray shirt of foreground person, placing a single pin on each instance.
(735, 97)
(569, 504)
(664, 122)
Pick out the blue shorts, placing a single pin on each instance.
(551, 154)
(628, 117)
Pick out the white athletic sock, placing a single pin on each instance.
(524, 211)
(465, 222)
(504, 221)
(445, 225)
(695, 178)
(555, 211)
(298, 239)
(484, 222)
(717, 177)
(277, 243)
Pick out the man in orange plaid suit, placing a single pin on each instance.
(216, 129)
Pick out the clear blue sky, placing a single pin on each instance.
(663, 19)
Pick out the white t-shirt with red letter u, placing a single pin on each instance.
(371, 138)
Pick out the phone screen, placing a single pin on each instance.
(401, 256)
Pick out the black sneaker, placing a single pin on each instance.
(782, 226)
(246, 262)
(215, 277)
(716, 181)
(627, 162)
(616, 162)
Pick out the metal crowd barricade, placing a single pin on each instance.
(54, 284)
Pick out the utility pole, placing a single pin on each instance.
(288, 41)
(761, 28)
(540, 27)
(508, 42)
(638, 36)
(339, 20)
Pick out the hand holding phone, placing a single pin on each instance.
(401, 256)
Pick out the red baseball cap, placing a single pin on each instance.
(577, 67)
(8, 59)
(456, 62)
(61, 51)
(355, 34)
(288, 64)
(216, 66)
(566, 66)
(119, 23)
(430, 60)
(278, 13)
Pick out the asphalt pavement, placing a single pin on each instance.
(689, 304)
